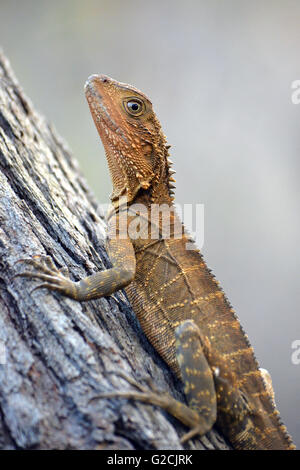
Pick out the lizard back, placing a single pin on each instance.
(173, 284)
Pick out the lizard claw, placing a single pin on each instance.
(43, 264)
(46, 285)
(140, 387)
(152, 385)
(45, 270)
(196, 431)
(131, 381)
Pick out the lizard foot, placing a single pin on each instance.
(142, 395)
(196, 431)
(53, 278)
(182, 412)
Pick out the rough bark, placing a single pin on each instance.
(59, 353)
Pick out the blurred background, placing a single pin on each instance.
(219, 75)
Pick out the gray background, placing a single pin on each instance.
(219, 74)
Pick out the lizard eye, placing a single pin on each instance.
(134, 106)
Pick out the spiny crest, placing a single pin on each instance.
(163, 179)
(166, 171)
(171, 172)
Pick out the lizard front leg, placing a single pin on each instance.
(97, 285)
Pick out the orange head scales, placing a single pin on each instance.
(134, 143)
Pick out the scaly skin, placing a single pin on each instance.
(179, 304)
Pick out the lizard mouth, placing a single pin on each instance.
(95, 101)
(100, 113)
(111, 135)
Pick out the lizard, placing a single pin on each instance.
(180, 305)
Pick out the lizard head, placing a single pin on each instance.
(131, 134)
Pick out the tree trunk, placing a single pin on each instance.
(57, 354)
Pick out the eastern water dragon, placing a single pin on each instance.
(177, 300)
